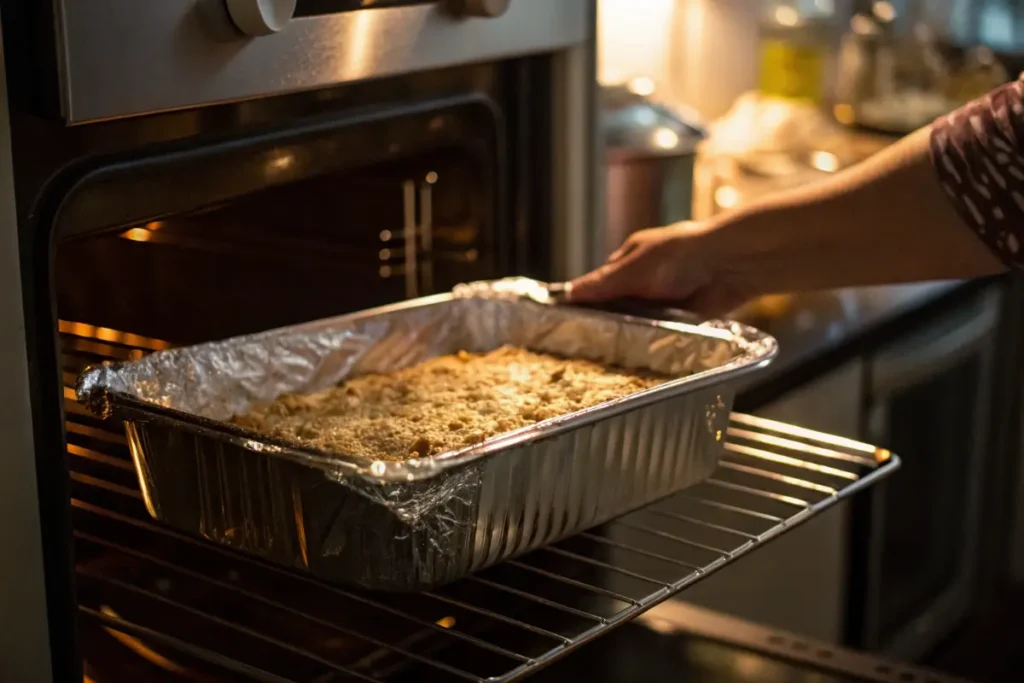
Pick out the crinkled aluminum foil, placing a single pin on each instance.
(198, 388)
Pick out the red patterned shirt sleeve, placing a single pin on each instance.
(978, 154)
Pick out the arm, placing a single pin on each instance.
(887, 220)
(944, 202)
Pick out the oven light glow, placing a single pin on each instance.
(106, 334)
(154, 225)
(446, 622)
(281, 162)
(140, 648)
(137, 235)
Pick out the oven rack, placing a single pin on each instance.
(177, 608)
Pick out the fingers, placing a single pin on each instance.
(628, 247)
(614, 280)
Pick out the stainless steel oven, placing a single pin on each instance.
(183, 170)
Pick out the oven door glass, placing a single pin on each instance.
(337, 237)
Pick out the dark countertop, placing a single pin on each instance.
(817, 331)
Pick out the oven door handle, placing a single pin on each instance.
(933, 349)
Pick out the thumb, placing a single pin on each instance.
(615, 280)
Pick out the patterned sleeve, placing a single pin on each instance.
(978, 154)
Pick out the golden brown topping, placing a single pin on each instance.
(420, 448)
(442, 404)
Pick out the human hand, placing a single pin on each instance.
(681, 264)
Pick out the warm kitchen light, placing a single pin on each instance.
(634, 40)
(843, 114)
(884, 11)
(665, 138)
(825, 161)
(642, 85)
(137, 235)
(787, 16)
(140, 648)
(281, 162)
(727, 196)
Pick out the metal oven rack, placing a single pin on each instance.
(158, 605)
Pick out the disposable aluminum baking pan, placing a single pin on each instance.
(411, 525)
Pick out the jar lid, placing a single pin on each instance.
(634, 125)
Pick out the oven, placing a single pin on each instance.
(185, 170)
(180, 171)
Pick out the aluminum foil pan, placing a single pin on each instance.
(404, 526)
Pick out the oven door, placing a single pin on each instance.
(122, 57)
(332, 217)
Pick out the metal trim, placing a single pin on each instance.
(577, 190)
(119, 60)
(678, 617)
(24, 647)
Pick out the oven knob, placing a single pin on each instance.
(261, 17)
(479, 8)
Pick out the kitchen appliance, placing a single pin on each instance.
(182, 171)
(178, 171)
(650, 150)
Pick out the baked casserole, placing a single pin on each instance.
(442, 404)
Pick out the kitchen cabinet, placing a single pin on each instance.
(929, 399)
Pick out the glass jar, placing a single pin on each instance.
(796, 45)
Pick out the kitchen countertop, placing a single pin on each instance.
(819, 330)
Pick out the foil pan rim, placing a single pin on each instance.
(97, 391)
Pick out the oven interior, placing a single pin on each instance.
(198, 225)
(242, 237)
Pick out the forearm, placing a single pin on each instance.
(886, 220)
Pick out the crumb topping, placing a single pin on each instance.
(442, 404)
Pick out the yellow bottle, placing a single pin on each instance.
(794, 48)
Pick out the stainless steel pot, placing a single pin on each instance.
(649, 152)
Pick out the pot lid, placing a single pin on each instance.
(632, 123)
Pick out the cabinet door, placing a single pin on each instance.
(797, 582)
(929, 401)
